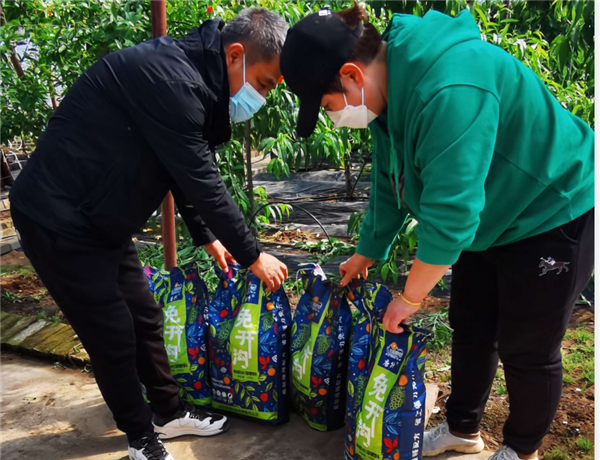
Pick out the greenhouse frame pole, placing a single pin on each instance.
(159, 28)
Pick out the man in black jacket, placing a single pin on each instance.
(138, 123)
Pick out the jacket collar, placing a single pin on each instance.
(202, 45)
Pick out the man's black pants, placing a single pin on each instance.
(514, 303)
(104, 294)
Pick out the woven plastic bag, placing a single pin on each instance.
(249, 347)
(183, 297)
(320, 346)
(386, 393)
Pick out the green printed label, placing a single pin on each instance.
(369, 421)
(174, 330)
(202, 401)
(244, 341)
(316, 426)
(249, 413)
(302, 359)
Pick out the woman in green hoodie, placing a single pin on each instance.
(498, 174)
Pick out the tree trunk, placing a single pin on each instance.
(13, 54)
(6, 177)
(347, 170)
(23, 146)
(249, 178)
(17, 64)
(52, 94)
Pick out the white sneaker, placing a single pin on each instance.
(192, 421)
(439, 439)
(149, 447)
(506, 453)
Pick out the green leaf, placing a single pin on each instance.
(384, 272)
(266, 144)
(274, 395)
(394, 270)
(269, 386)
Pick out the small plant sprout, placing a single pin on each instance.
(501, 390)
(584, 444)
(556, 454)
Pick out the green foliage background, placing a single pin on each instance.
(554, 38)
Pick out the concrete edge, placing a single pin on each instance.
(42, 339)
(10, 244)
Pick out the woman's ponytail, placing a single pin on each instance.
(353, 16)
(368, 45)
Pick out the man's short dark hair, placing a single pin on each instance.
(261, 31)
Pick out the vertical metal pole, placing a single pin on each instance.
(159, 28)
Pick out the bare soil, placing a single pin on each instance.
(22, 291)
(576, 406)
(287, 236)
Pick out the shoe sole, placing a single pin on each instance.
(474, 449)
(129, 457)
(174, 433)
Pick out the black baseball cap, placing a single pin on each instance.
(314, 51)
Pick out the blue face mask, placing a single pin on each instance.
(246, 102)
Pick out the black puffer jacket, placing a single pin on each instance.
(138, 123)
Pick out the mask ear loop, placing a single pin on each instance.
(244, 67)
(343, 92)
(362, 94)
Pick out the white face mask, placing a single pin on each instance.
(352, 116)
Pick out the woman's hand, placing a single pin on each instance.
(220, 254)
(354, 267)
(398, 312)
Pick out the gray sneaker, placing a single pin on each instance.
(438, 440)
(506, 453)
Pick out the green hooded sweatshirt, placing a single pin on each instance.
(485, 155)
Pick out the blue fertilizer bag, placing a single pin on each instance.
(320, 346)
(183, 297)
(385, 411)
(249, 347)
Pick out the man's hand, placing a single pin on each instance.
(397, 312)
(353, 267)
(220, 254)
(270, 270)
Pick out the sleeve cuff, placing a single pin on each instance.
(203, 238)
(369, 248)
(249, 258)
(433, 255)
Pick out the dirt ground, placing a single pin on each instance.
(287, 236)
(22, 291)
(574, 420)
